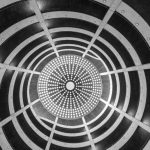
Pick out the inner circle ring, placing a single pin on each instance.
(69, 104)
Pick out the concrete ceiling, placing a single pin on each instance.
(74, 74)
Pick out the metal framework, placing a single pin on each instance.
(51, 135)
(114, 7)
(5, 66)
(134, 68)
(89, 135)
(43, 25)
(14, 115)
(108, 15)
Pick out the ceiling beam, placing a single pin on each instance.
(147, 146)
(115, 4)
(51, 135)
(89, 135)
(5, 66)
(134, 68)
(39, 16)
(14, 115)
(5, 3)
(134, 120)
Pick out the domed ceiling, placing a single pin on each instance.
(74, 75)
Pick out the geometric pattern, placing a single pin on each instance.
(113, 36)
(69, 87)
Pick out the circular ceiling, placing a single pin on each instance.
(74, 75)
(69, 87)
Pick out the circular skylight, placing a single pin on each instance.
(69, 87)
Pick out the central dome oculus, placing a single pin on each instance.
(69, 87)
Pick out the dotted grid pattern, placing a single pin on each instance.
(59, 100)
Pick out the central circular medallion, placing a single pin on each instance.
(69, 87)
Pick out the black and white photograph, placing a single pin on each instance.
(74, 74)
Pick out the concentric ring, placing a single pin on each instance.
(35, 33)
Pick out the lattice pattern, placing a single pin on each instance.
(69, 87)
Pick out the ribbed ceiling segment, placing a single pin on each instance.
(74, 75)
